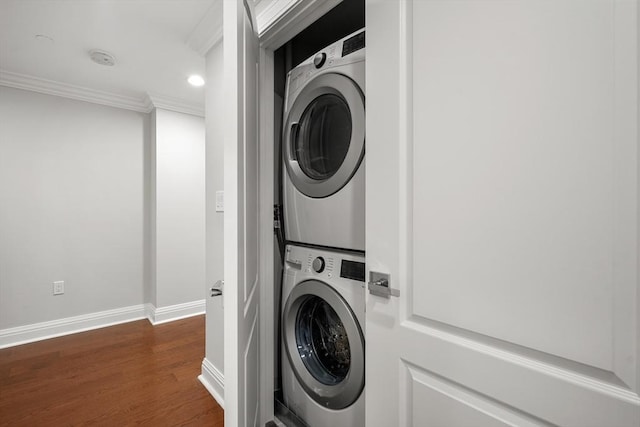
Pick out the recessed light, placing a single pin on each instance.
(196, 80)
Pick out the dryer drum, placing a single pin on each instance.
(324, 344)
(324, 134)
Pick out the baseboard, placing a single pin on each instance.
(174, 312)
(70, 325)
(213, 380)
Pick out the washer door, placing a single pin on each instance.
(324, 135)
(324, 344)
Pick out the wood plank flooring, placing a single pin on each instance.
(129, 374)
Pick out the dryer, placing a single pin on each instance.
(323, 366)
(323, 148)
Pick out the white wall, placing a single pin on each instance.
(179, 215)
(214, 352)
(150, 203)
(638, 189)
(71, 207)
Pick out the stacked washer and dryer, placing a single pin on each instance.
(323, 295)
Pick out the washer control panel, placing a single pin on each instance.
(353, 270)
(322, 263)
(318, 264)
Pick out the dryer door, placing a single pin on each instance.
(324, 344)
(324, 135)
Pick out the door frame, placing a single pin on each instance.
(277, 24)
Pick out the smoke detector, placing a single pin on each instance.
(101, 57)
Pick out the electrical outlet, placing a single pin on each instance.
(58, 287)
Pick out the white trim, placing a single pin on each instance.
(284, 19)
(65, 90)
(174, 312)
(277, 23)
(144, 104)
(266, 254)
(213, 380)
(70, 325)
(273, 10)
(232, 128)
(208, 32)
(173, 104)
(538, 365)
(149, 312)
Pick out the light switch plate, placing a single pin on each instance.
(219, 201)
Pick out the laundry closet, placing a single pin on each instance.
(497, 287)
(319, 295)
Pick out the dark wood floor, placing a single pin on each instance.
(129, 374)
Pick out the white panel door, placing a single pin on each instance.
(502, 199)
(241, 216)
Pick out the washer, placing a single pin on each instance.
(323, 148)
(323, 364)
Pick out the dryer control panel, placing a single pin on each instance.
(353, 43)
(348, 50)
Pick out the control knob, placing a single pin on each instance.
(318, 264)
(319, 59)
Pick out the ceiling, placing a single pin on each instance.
(155, 44)
(158, 44)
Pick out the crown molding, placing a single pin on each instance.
(208, 32)
(274, 9)
(282, 20)
(154, 100)
(277, 21)
(144, 104)
(65, 90)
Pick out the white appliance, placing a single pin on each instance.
(323, 148)
(323, 366)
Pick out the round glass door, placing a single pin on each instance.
(324, 344)
(323, 138)
(324, 135)
(322, 341)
